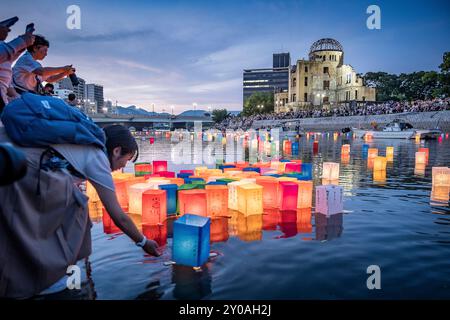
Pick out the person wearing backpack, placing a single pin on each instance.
(44, 222)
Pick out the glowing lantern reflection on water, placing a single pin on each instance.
(191, 237)
(372, 153)
(250, 199)
(315, 146)
(345, 149)
(154, 206)
(219, 229)
(217, 200)
(421, 158)
(156, 232)
(108, 224)
(390, 153)
(192, 201)
(329, 199)
(287, 195)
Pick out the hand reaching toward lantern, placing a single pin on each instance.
(151, 247)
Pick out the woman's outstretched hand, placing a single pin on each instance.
(151, 247)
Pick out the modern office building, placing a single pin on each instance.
(94, 92)
(269, 80)
(323, 80)
(80, 89)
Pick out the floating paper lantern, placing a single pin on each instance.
(293, 167)
(219, 229)
(142, 168)
(154, 206)
(135, 196)
(217, 200)
(152, 140)
(427, 153)
(419, 169)
(330, 171)
(365, 150)
(191, 236)
(305, 189)
(270, 191)
(440, 184)
(249, 199)
(315, 146)
(177, 181)
(156, 232)
(421, 158)
(372, 153)
(193, 180)
(184, 175)
(109, 226)
(345, 149)
(171, 197)
(306, 173)
(251, 169)
(121, 188)
(192, 201)
(379, 164)
(295, 148)
(166, 174)
(417, 137)
(329, 199)
(390, 153)
(160, 165)
(226, 180)
(287, 195)
(191, 172)
(226, 167)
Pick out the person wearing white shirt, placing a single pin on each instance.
(28, 73)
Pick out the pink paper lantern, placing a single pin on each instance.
(287, 195)
(293, 167)
(160, 165)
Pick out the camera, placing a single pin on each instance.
(9, 22)
(74, 79)
(13, 164)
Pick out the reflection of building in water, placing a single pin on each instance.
(249, 227)
(271, 217)
(157, 232)
(219, 229)
(288, 223)
(328, 228)
(191, 284)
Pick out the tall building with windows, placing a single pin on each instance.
(94, 92)
(269, 80)
(80, 89)
(323, 80)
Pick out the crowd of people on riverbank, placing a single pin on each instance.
(370, 108)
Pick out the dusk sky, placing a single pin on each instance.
(181, 52)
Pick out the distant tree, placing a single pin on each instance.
(258, 99)
(219, 115)
(444, 77)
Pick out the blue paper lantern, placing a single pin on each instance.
(183, 175)
(365, 150)
(276, 175)
(221, 167)
(306, 173)
(189, 180)
(191, 240)
(285, 160)
(171, 192)
(252, 169)
(224, 183)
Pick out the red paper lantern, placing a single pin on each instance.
(288, 195)
(160, 165)
(166, 174)
(156, 232)
(109, 226)
(154, 206)
(193, 202)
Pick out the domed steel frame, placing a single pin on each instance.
(325, 44)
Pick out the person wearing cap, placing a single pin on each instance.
(9, 52)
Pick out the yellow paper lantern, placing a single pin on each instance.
(232, 192)
(199, 170)
(379, 164)
(330, 171)
(440, 184)
(345, 149)
(249, 198)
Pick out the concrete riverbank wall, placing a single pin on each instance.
(419, 120)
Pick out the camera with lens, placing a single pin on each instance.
(13, 164)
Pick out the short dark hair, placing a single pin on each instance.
(71, 96)
(119, 136)
(38, 41)
(49, 85)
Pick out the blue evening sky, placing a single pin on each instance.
(181, 52)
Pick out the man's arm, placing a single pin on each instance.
(47, 72)
(10, 50)
(56, 77)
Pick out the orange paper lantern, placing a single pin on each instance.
(193, 202)
(217, 200)
(154, 206)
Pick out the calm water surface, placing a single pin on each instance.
(302, 255)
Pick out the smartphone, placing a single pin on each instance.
(29, 28)
(9, 22)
